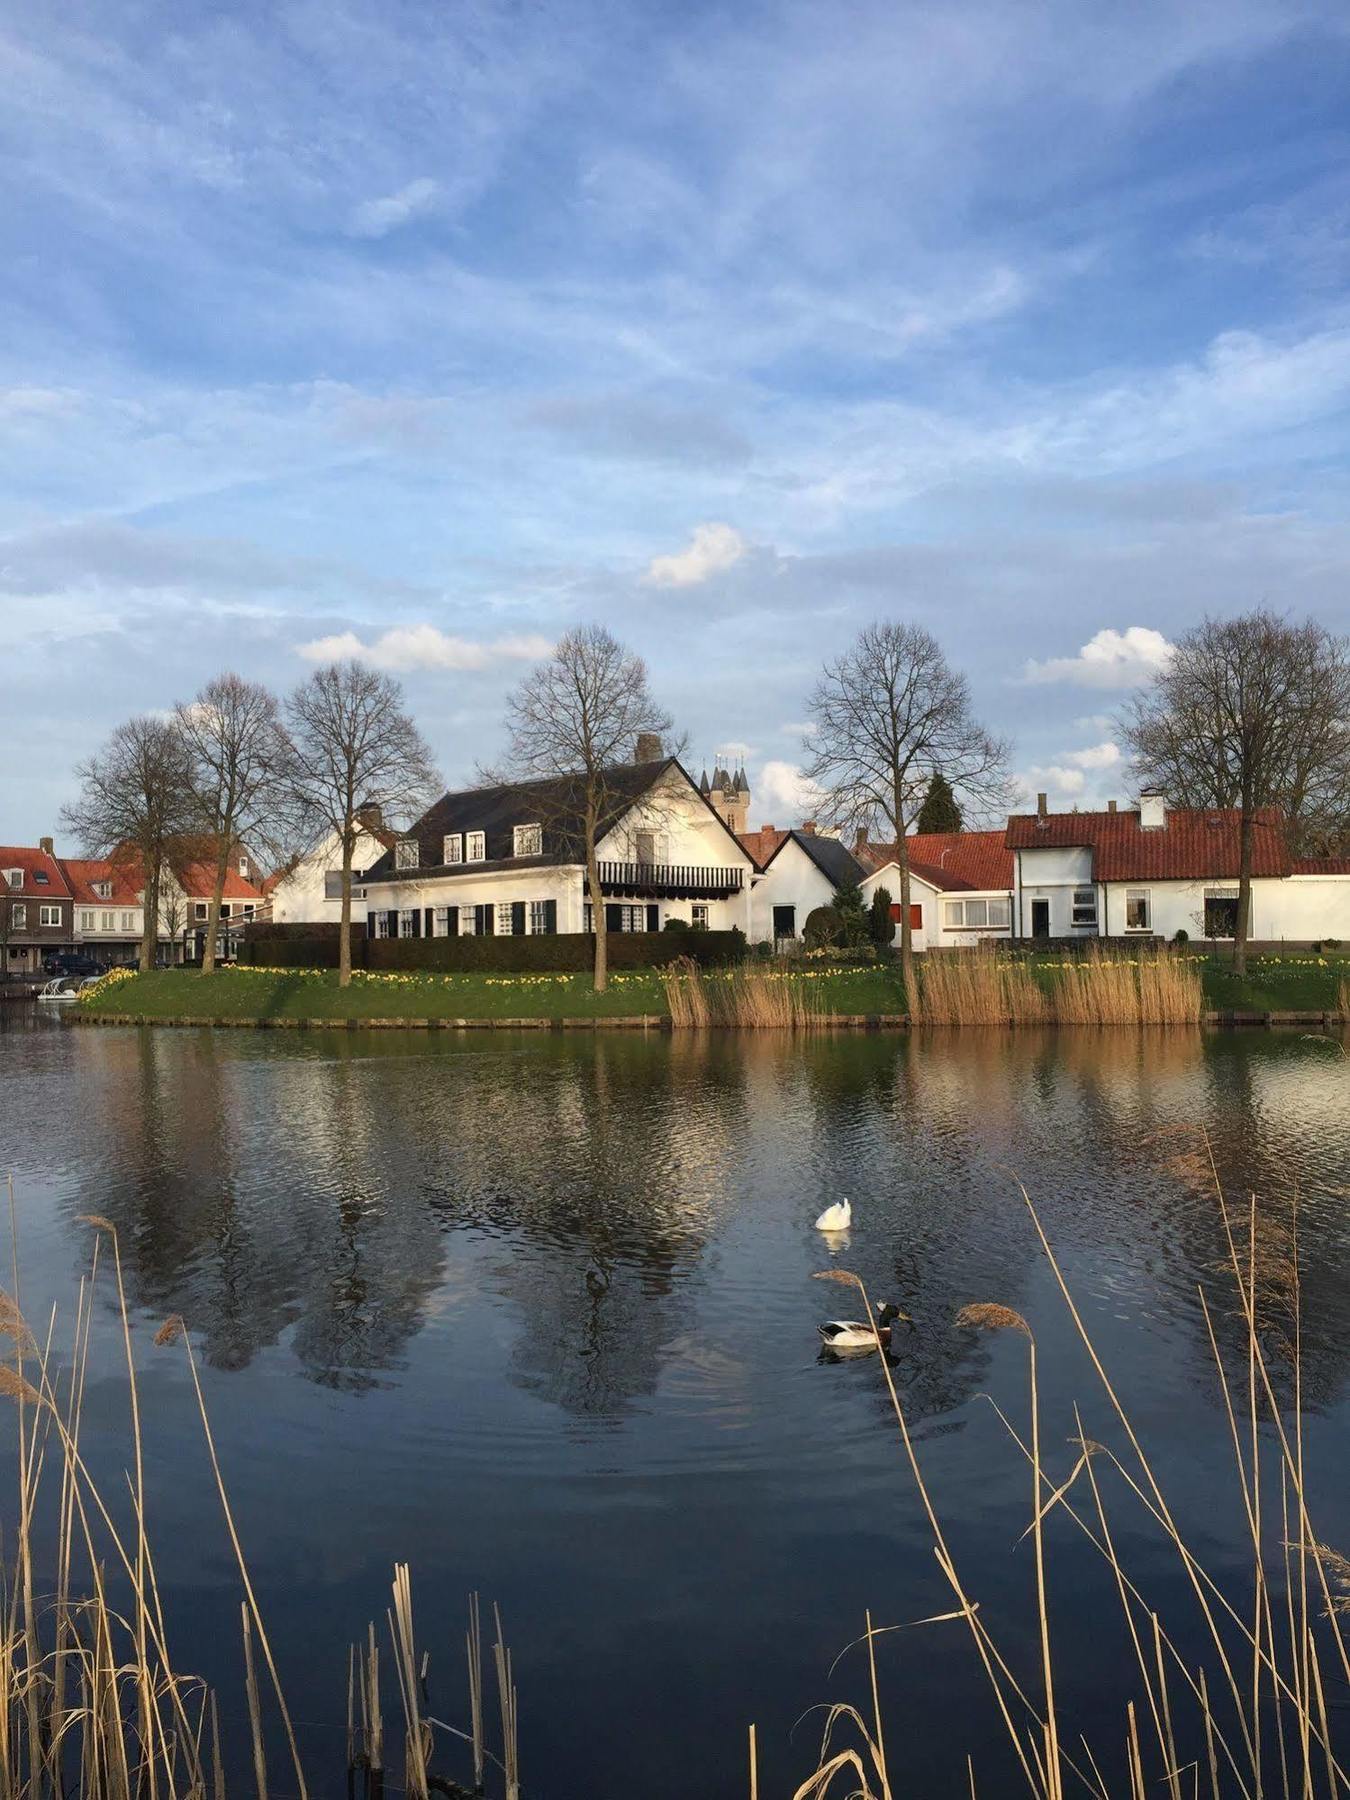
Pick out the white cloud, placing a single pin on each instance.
(1096, 756)
(711, 549)
(409, 647)
(783, 795)
(1110, 659)
(377, 218)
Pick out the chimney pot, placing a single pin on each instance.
(1110, 806)
(1040, 806)
(648, 747)
(47, 845)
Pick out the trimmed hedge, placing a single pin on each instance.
(559, 954)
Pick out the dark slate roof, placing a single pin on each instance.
(835, 861)
(554, 803)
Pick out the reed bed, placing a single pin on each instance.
(1257, 1709)
(1344, 998)
(91, 1702)
(985, 986)
(979, 987)
(750, 998)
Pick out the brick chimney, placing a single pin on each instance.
(648, 749)
(1040, 806)
(371, 815)
(1110, 806)
(1152, 810)
(809, 827)
(860, 838)
(47, 845)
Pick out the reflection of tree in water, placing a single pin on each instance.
(618, 1167)
(250, 1195)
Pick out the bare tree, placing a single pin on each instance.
(174, 914)
(353, 744)
(889, 715)
(580, 714)
(136, 801)
(1248, 713)
(241, 775)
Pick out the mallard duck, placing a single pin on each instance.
(856, 1334)
(836, 1218)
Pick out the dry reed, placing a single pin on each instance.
(985, 986)
(979, 987)
(748, 998)
(1253, 1719)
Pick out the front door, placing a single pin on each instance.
(1040, 918)
(784, 921)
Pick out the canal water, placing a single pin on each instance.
(536, 1315)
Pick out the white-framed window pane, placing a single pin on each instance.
(407, 853)
(1085, 906)
(440, 922)
(407, 922)
(528, 840)
(452, 847)
(18, 917)
(1137, 910)
(538, 917)
(128, 921)
(503, 918)
(50, 915)
(468, 921)
(475, 846)
(381, 925)
(698, 915)
(1000, 913)
(977, 912)
(86, 921)
(105, 921)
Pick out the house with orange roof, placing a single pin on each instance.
(36, 908)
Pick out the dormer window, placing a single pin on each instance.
(103, 889)
(407, 854)
(243, 866)
(41, 877)
(14, 877)
(452, 847)
(475, 846)
(527, 840)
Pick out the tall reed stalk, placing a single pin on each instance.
(1255, 1718)
(749, 998)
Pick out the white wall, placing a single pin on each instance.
(1052, 874)
(793, 880)
(299, 897)
(686, 833)
(1299, 908)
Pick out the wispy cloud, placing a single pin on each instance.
(405, 648)
(377, 218)
(1109, 659)
(782, 795)
(709, 551)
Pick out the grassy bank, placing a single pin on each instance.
(965, 989)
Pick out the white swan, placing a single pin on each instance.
(836, 1218)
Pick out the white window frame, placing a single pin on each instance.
(475, 846)
(200, 908)
(504, 924)
(699, 914)
(382, 924)
(1146, 896)
(105, 921)
(49, 915)
(1083, 909)
(18, 915)
(14, 878)
(128, 921)
(243, 867)
(86, 921)
(440, 921)
(527, 840)
(468, 922)
(536, 918)
(452, 847)
(407, 854)
(407, 918)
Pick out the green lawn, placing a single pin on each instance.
(1273, 984)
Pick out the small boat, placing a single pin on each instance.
(59, 990)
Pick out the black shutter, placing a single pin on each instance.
(551, 916)
(613, 918)
(370, 924)
(452, 921)
(429, 931)
(517, 918)
(653, 918)
(485, 919)
(393, 923)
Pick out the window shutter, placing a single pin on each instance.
(393, 923)
(653, 918)
(426, 924)
(486, 919)
(370, 924)
(551, 916)
(517, 918)
(452, 921)
(613, 918)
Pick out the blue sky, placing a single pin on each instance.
(433, 328)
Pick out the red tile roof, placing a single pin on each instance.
(952, 861)
(82, 872)
(761, 844)
(197, 881)
(33, 863)
(1320, 865)
(1191, 846)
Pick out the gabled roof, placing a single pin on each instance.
(1192, 845)
(555, 803)
(198, 880)
(42, 877)
(953, 861)
(835, 861)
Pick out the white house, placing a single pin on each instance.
(509, 860)
(804, 870)
(1161, 870)
(310, 890)
(960, 885)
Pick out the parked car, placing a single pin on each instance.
(71, 962)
